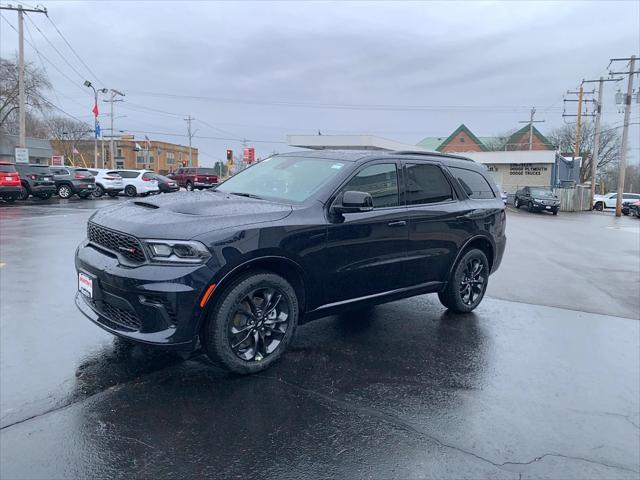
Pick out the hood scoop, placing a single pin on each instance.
(146, 205)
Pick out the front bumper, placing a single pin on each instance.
(152, 304)
(542, 206)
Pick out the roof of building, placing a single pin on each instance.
(348, 142)
(513, 139)
(460, 129)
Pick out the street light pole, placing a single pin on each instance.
(87, 83)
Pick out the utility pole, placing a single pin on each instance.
(576, 153)
(112, 98)
(22, 115)
(625, 131)
(596, 142)
(531, 122)
(189, 119)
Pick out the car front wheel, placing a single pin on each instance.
(468, 283)
(530, 206)
(189, 187)
(252, 323)
(599, 206)
(130, 191)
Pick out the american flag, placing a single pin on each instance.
(146, 139)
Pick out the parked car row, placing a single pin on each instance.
(608, 200)
(20, 181)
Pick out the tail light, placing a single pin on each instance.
(79, 176)
(195, 179)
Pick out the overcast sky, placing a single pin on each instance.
(258, 71)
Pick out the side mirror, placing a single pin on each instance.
(353, 202)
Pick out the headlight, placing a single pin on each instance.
(176, 251)
(537, 200)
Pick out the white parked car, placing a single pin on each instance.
(600, 202)
(139, 182)
(107, 181)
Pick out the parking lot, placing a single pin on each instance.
(542, 380)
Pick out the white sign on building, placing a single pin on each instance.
(21, 155)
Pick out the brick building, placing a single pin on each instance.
(464, 140)
(162, 157)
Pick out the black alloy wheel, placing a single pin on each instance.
(24, 193)
(98, 191)
(252, 323)
(467, 284)
(130, 191)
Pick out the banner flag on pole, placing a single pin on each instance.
(98, 130)
(95, 110)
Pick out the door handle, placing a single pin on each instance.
(397, 223)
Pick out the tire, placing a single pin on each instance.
(189, 187)
(453, 296)
(24, 193)
(516, 202)
(98, 191)
(530, 206)
(64, 191)
(599, 206)
(554, 211)
(44, 196)
(130, 191)
(233, 311)
(112, 194)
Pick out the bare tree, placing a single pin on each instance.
(68, 135)
(609, 152)
(36, 82)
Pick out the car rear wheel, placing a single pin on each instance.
(98, 191)
(64, 191)
(130, 191)
(599, 206)
(252, 323)
(24, 193)
(468, 283)
(516, 203)
(189, 187)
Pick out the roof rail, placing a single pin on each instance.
(432, 154)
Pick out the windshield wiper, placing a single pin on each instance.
(248, 195)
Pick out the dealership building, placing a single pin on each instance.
(512, 168)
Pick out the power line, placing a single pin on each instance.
(203, 137)
(73, 50)
(45, 57)
(54, 47)
(338, 106)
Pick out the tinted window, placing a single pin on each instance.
(59, 171)
(93, 172)
(148, 176)
(628, 196)
(81, 172)
(129, 174)
(7, 168)
(381, 181)
(426, 184)
(114, 174)
(473, 183)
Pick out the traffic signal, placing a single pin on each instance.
(229, 156)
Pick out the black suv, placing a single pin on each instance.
(537, 199)
(37, 180)
(295, 237)
(72, 181)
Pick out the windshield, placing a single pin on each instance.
(541, 192)
(286, 178)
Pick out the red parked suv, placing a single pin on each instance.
(193, 178)
(10, 185)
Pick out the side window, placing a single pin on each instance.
(93, 172)
(473, 183)
(128, 174)
(380, 181)
(426, 184)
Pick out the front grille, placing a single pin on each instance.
(122, 318)
(122, 244)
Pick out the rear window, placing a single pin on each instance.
(206, 171)
(473, 183)
(7, 168)
(81, 172)
(148, 176)
(93, 172)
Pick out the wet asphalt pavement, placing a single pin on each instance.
(543, 380)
